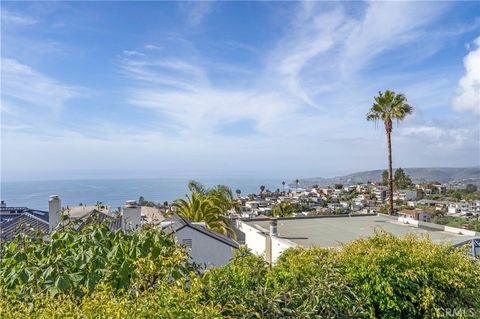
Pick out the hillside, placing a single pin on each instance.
(446, 175)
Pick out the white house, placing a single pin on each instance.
(412, 214)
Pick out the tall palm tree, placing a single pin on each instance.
(296, 184)
(389, 106)
(283, 185)
(198, 208)
(262, 189)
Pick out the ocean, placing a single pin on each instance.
(114, 192)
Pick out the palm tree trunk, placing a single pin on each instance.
(390, 173)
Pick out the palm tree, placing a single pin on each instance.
(198, 208)
(389, 106)
(238, 192)
(283, 185)
(262, 189)
(296, 185)
(221, 194)
(283, 209)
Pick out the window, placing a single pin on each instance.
(187, 242)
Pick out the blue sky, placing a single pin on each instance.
(278, 89)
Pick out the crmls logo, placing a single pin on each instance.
(459, 313)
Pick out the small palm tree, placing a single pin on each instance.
(389, 106)
(222, 194)
(238, 191)
(284, 209)
(198, 208)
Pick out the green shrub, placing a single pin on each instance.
(411, 277)
(304, 283)
(75, 262)
(308, 283)
(96, 273)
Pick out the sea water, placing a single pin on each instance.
(114, 192)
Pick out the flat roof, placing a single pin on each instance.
(336, 231)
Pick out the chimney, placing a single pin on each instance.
(273, 228)
(54, 211)
(131, 215)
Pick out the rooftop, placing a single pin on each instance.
(335, 231)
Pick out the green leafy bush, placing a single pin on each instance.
(411, 277)
(75, 262)
(96, 273)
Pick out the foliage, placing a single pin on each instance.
(469, 193)
(411, 277)
(385, 178)
(75, 262)
(379, 277)
(401, 180)
(471, 224)
(283, 209)
(177, 300)
(222, 195)
(304, 283)
(143, 202)
(204, 208)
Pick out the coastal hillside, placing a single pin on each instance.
(445, 175)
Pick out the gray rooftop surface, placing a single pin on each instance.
(335, 231)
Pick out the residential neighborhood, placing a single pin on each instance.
(253, 219)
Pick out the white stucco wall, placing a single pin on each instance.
(205, 249)
(254, 239)
(279, 245)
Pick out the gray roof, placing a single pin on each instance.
(112, 222)
(179, 222)
(27, 223)
(335, 231)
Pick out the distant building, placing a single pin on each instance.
(412, 214)
(405, 195)
(380, 193)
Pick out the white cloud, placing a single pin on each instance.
(132, 53)
(152, 47)
(22, 83)
(10, 18)
(196, 11)
(467, 97)
(321, 59)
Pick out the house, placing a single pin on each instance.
(413, 214)
(405, 195)
(206, 247)
(270, 237)
(453, 208)
(380, 193)
(33, 223)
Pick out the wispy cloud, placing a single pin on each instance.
(196, 11)
(22, 83)
(321, 45)
(10, 18)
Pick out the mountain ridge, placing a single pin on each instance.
(444, 175)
